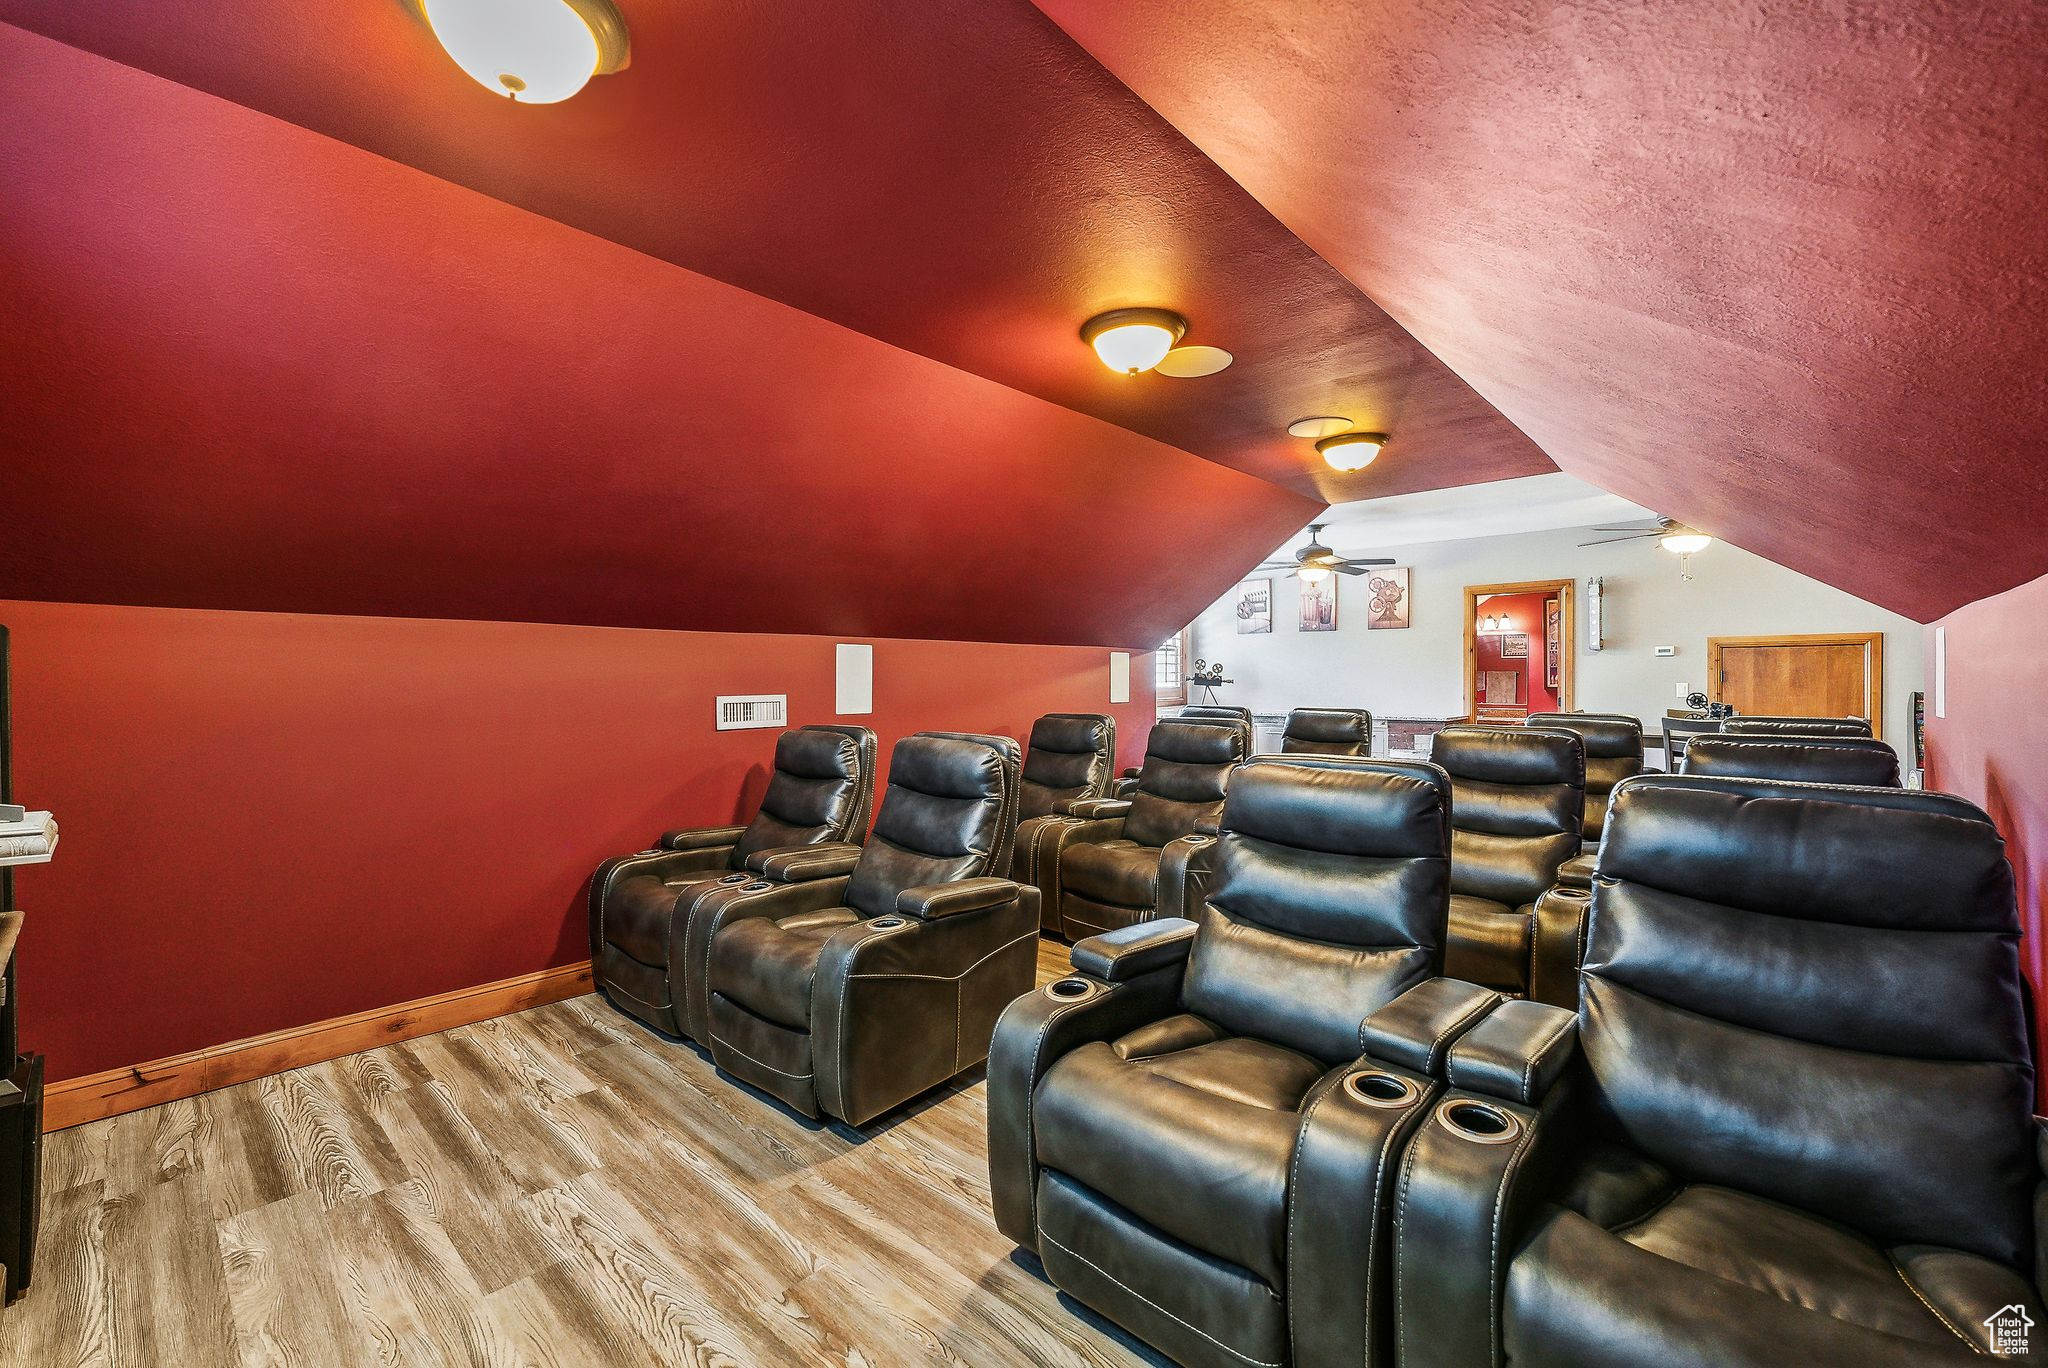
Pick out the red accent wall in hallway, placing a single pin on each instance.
(1524, 613)
(1992, 748)
(271, 819)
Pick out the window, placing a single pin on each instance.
(1169, 669)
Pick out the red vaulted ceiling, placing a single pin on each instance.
(961, 180)
(1777, 269)
(251, 367)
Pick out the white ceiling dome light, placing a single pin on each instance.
(530, 51)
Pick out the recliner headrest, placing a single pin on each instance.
(817, 753)
(1699, 837)
(951, 764)
(1857, 761)
(1796, 726)
(1072, 733)
(1332, 726)
(1342, 805)
(1216, 741)
(1608, 736)
(1510, 755)
(1217, 710)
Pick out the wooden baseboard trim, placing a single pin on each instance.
(77, 1100)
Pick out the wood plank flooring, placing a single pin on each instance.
(546, 1190)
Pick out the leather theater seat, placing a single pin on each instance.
(1203, 712)
(846, 997)
(1517, 817)
(1859, 761)
(1072, 756)
(810, 823)
(1180, 1130)
(1327, 731)
(1614, 752)
(1117, 861)
(1796, 726)
(1794, 1124)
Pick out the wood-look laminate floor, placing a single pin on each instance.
(559, 1187)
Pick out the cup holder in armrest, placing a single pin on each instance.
(886, 923)
(735, 878)
(1377, 1088)
(1070, 989)
(1479, 1122)
(758, 886)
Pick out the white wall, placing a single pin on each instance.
(1420, 672)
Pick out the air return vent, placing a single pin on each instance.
(739, 711)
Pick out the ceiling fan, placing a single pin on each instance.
(1670, 533)
(1315, 561)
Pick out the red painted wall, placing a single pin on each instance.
(272, 819)
(1992, 748)
(1525, 615)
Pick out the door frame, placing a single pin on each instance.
(1873, 663)
(1563, 590)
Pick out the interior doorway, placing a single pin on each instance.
(1518, 650)
(1813, 675)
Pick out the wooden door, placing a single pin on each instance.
(1800, 676)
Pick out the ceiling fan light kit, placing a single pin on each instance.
(1315, 562)
(1671, 534)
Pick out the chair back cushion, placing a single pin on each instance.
(1186, 773)
(1327, 731)
(1814, 995)
(949, 813)
(1329, 897)
(1859, 761)
(1072, 755)
(1614, 752)
(823, 784)
(1224, 710)
(1519, 808)
(1796, 726)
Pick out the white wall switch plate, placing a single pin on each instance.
(1683, 690)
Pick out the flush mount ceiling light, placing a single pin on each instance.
(1348, 451)
(530, 51)
(1133, 341)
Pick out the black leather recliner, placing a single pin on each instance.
(1202, 712)
(1614, 752)
(848, 996)
(1072, 756)
(1854, 760)
(1327, 731)
(1184, 1130)
(640, 905)
(1115, 861)
(1790, 1123)
(1796, 726)
(1517, 816)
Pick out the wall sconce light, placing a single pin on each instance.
(530, 51)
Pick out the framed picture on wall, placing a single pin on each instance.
(1551, 632)
(1514, 645)
(1389, 590)
(1319, 606)
(1254, 606)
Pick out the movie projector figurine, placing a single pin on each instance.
(1206, 677)
(1701, 708)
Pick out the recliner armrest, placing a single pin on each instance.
(794, 864)
(1516, 1053)
(701, 838)
(1557, 945)
(1123, 954)
(1088, 809)
(1577, 872)
(1417, 1029)
(928, 902)
(1209, 826)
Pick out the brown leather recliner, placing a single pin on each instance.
(1203, 712)
(810, 823)
(1072, 756)
(1796, 726)
(1184, 1130)
(1855, 760)
(847, 996)
(1614, 752)
(1327, 731)
(1791, 1122)
(1517, 815)
(1114, 861)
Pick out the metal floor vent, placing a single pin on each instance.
(739, 711)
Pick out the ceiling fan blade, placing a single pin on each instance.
(1352, 568)
(1365, 560)
(1636, 528)
(1278, 565)
(1612, 540)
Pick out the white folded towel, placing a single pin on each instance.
(31, 840)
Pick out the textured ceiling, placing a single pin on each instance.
(1777, 270)
(961, 180)
(251, 367)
